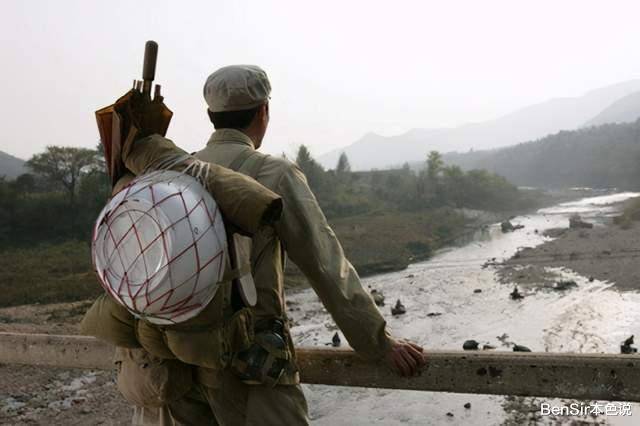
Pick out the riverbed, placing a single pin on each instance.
(461, 284)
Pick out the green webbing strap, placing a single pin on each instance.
(237, 162)
(242, 158)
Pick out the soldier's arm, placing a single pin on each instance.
(312, 245)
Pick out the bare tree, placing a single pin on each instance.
(64, 166)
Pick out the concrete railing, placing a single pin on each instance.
(564, 375)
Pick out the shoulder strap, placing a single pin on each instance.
(242, 158)
(244, 291)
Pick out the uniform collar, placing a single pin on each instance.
(230, 136)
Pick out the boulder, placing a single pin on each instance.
(564, 285)
(506, 226)
(470, 345)
(576, 222)
(520, 348)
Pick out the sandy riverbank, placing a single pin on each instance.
(606, 252)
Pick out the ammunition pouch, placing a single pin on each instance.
(265, 360)
(207, 340)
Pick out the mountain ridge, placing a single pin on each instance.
(624, 110)
(11, 166)
(527, 123)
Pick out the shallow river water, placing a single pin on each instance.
(590, 318)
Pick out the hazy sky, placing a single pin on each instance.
(338, 69)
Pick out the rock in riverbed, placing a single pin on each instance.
(564, 285)
(576, 222)
(399, 309)
(335, 342)
(521, 348)
(470, 345)
(626, 347)
(515, 294)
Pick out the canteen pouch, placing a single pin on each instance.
(265, 360)
(148, 381)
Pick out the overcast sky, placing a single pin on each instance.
(339, 69)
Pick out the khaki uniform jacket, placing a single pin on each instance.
(309, 242)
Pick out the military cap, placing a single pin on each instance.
(236, 87)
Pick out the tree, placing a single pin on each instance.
(64, 166)
(343, 165)
(303, 158)
(434, 165)
(25, 183)
(312, 170)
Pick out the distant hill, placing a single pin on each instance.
(624, 110)
(11, 166)
(532, 122)
(598, 157)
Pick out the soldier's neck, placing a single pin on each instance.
(255, 136)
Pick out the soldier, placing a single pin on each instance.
(238, 106)
(179, 377)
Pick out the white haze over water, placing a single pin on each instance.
(339, 69)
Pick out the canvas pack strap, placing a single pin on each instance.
(242, 278)
(241, 159)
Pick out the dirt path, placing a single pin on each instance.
(55, 396)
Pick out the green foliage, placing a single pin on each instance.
(343, 193)
(606, 156)
(311, 168)
(343, 165)
(385, 219)
(434, 165)
(630, 214)
(34, 211)
(47, 273)
(58, 202)
(63, 165)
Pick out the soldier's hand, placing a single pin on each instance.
(405, 358)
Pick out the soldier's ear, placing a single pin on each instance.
(264, 112)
